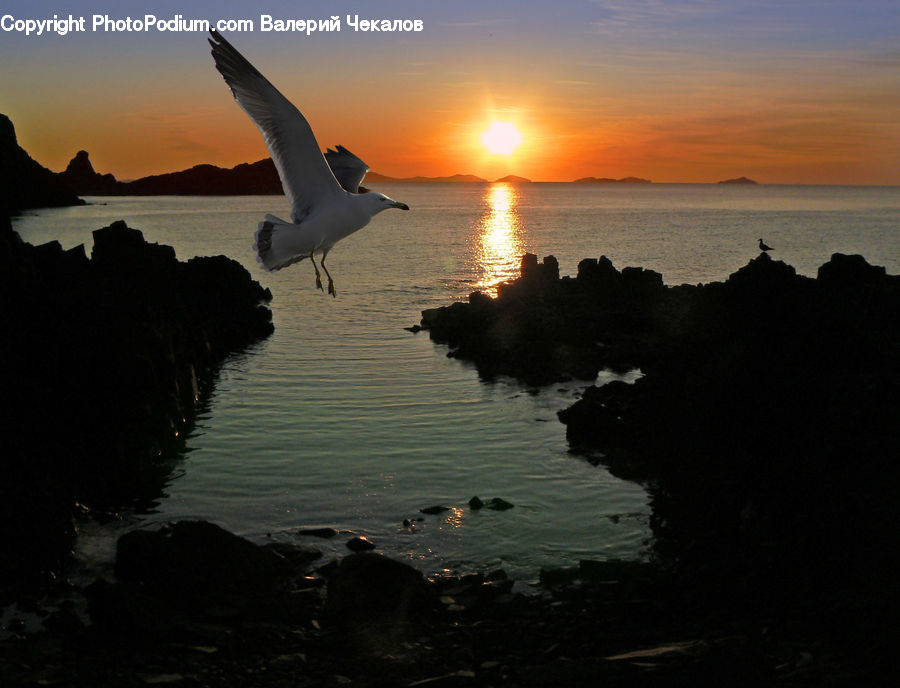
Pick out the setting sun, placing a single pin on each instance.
(502, 138)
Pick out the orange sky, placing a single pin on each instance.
(650, 89)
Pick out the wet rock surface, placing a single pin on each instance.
(102, 363)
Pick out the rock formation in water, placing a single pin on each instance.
(765, 422)
(542, 328)
(102, 363)
(25, 183)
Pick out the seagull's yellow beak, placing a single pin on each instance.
(402, 206)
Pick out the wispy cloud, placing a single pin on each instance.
(616, 16)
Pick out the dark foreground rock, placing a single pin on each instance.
(101, 364)
(196, 606)
(765, 425)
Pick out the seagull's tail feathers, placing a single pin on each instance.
(275, 244)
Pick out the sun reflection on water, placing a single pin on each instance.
(499, 245)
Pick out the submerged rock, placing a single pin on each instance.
(317, 532)
(360, 544)
(495, 504)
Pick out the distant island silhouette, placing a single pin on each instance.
(738, 180)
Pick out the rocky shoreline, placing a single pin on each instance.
(763, 424)
(102, 363)
(194, 605)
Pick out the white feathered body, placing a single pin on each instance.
(278, 243)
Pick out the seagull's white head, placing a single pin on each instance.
(376, 202)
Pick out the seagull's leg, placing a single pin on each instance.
(316, 267)
(330, 281)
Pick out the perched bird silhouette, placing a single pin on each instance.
(327, 203)
(763, 246)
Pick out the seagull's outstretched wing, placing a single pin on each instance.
(304, 173)
(348, 168)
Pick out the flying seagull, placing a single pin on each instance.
(327, 203)
(763, 246)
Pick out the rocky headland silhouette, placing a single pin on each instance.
(25, 183)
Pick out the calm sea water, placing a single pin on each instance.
(343, 419)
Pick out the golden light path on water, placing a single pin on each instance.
(499, 244)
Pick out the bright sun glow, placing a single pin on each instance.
(502, 138)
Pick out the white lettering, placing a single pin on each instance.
(384, 25)
(39, 27)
